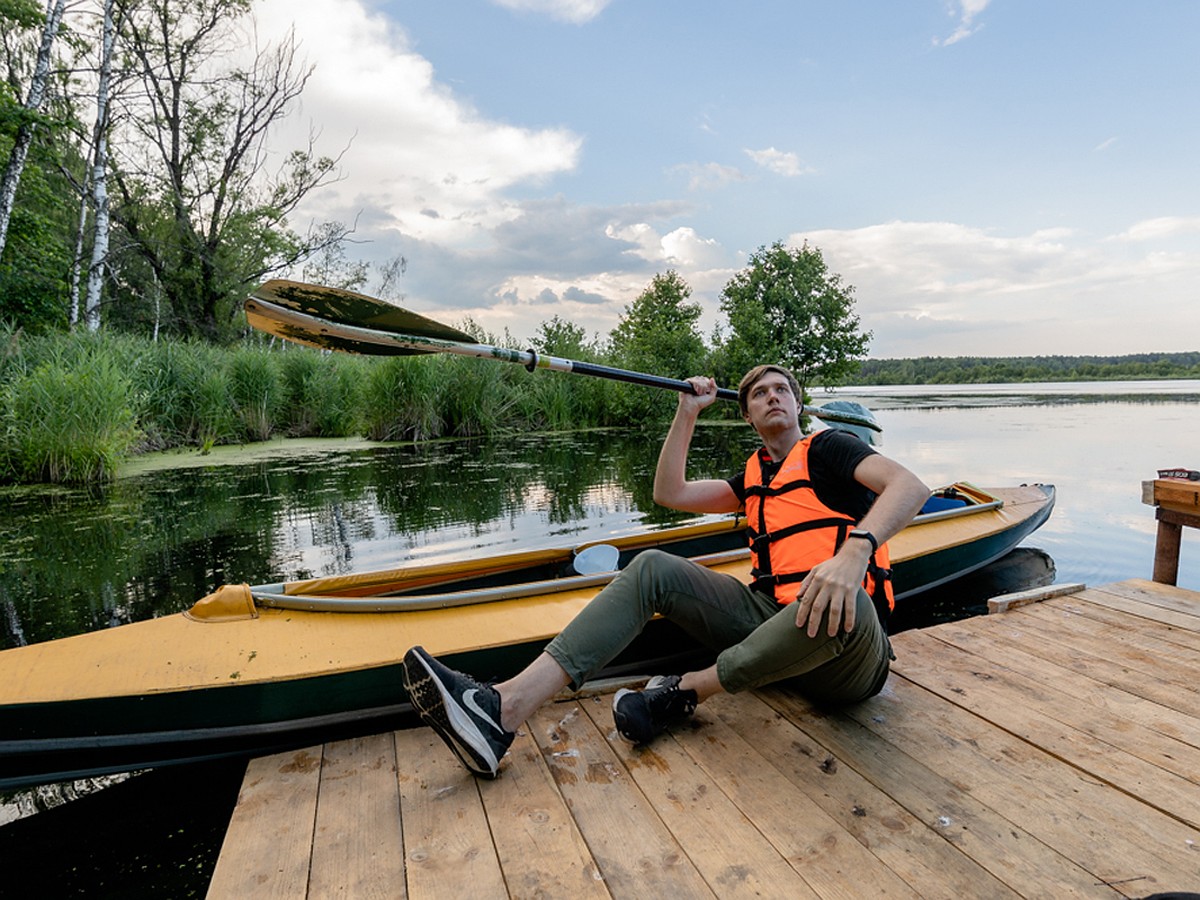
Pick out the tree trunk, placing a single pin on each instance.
(33, 103)
(77, 258)
(100, 177)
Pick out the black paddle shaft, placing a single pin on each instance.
(675, 384)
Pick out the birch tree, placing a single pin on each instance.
(99, 177)
(11, 178)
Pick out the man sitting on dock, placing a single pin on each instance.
(820, 510)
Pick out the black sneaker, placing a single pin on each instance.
(640, 715)
(464, 713)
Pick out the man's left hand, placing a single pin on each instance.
(833, 585)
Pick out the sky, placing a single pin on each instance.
(990, 177)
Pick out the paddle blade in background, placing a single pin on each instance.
(321, 340)
(349, 308)
(854, 418)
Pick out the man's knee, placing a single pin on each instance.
(653, 562)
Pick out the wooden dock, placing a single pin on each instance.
(1052, 750)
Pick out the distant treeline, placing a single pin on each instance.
(1004, 370)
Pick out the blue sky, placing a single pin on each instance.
(993, 177)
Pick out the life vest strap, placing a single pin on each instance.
(767, 490)
(759, 542)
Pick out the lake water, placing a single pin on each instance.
(1096, 442)
(79, 560)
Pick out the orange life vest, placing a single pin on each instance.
(791, 531)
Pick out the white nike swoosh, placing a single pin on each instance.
(469, 702)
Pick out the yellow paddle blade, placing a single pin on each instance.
(347, 307)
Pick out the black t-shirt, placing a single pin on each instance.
(832, 459)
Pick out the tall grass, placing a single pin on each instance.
(256, 390)
(75, 406)
(69, 419)
(322, 393)
(400, 400)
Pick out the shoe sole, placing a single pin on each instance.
(441, 711)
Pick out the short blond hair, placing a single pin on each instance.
(755, 375)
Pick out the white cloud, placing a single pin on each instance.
(419, 158)
(779, 162)
(1051, 291)
(965, 11)
(472, 204)
(1163, 227)
(575, 11)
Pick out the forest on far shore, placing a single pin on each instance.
(1007, 369)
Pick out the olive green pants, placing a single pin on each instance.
(757, 639)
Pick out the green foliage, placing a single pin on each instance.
(321, 393)
(38, 249)
(402, 400)
(658, 335)
(256, 388)
(70, 419)
(198, 219)
(556, 401)
(22, 13)
(787, 307)
(1016, 369)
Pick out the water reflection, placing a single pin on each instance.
(1023, 569)
(75, 561)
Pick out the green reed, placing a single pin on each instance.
(256, 390)
(74, 406)
(69, 419)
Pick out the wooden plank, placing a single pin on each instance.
(1127, 620)
(540, 849)
(268, 846)
(935, 867)
(1006, 602)
(736, 858)
(1052, 807)
(1071, 809)
(1109, 695)
(358, 843)
(1038, 698)
(1157, 638)
(635, 851)
(1096, 663)
(1147, 612)
(1000, 844)
(1174, 494)
(448, 847)
(1166, 603)
(1141, 762)
(1128, 646)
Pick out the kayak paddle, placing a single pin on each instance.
(336, 319)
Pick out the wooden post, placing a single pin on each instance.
(1178, 504)
(1166, 552)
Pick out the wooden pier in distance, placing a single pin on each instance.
(1050, 750)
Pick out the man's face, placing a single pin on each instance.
(771, 403)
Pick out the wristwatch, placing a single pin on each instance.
(866, 536)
